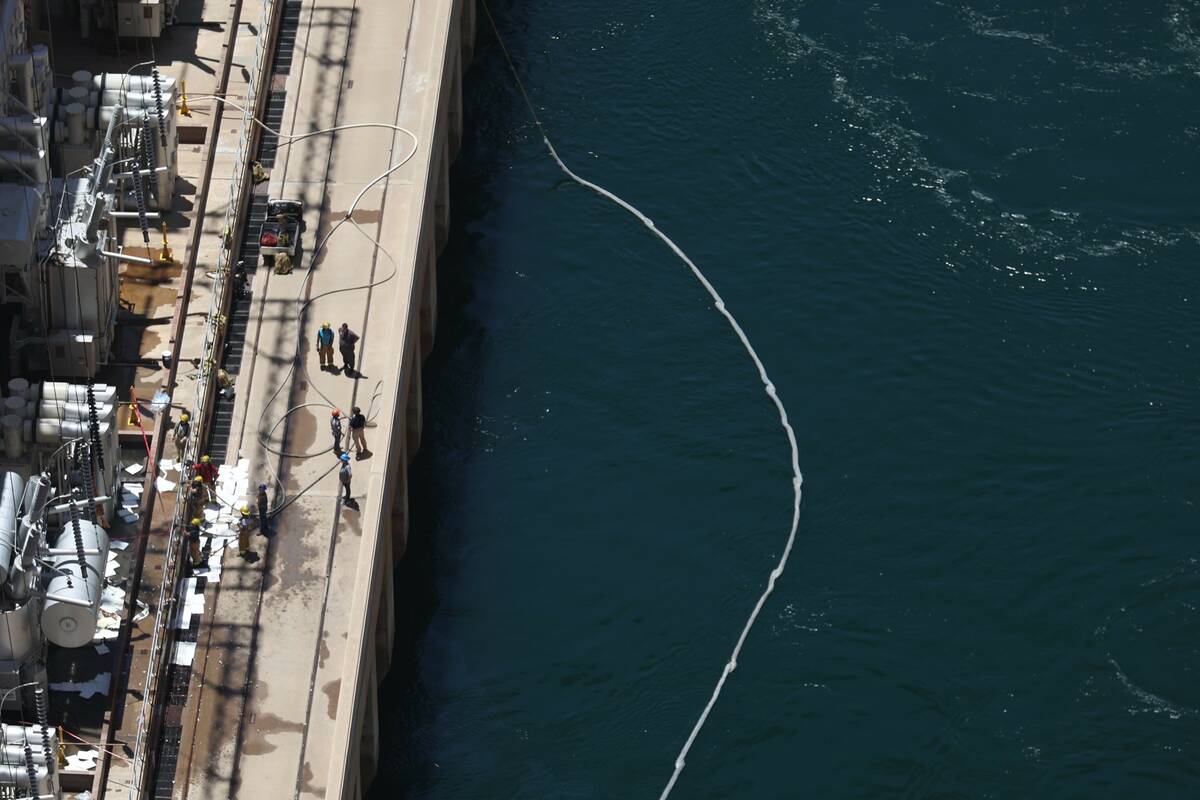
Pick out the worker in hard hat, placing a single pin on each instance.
(225, 384)
(257, 173)
(200, 494)
(344, 475)
(325, 346)
(193, 537)
(207, 471)
(264, 510)
(346, 341)
(183, 429)
(336, 429)
(243, 526)
(358, 435)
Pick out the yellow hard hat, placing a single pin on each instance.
(195, 520)
(326, 325)
(204, 459)
(245, 509)
(198, 479)
(184, 417)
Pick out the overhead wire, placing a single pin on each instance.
(768, 388)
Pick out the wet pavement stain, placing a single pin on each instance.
(324, 653)
(268, 725)
(363, 216)
(331, 690)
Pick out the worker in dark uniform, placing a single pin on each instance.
(358, 436)
(264, 510)
(193, 537)
(344, 475)
(346, 341)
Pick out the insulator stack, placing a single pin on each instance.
(43, 715)
(30, 767)
(88, 488)
(162, 129)
(149, 151)
(139, 195)
(73, 510)
(94, 427)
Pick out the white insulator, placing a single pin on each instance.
(14, 446)
(54, 431)
(18, 640)
(16, 775)
(21, 66)
(12, 489)
(18, 387)
(82, 78)
(73, 410)
(58, 390)
(30, 409)
(134, 83)
(76, 129)
(14, 405)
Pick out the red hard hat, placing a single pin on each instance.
(336, 413)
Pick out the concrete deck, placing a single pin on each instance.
(283, 689)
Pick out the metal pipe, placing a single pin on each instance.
(132, 214)
(131, 259)
(71, 601)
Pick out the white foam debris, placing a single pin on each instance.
(102, 649)
(134, 469)
(112, 600)
(97, 685)
(163, 484)
(168, 465)
(84, 761)
(184, 653)
(118, 544)
(193, 603)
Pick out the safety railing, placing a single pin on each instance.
(168, 599)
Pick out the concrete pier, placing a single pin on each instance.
(293, 643)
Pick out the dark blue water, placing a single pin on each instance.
(963, 238)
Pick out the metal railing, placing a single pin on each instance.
(168, 599)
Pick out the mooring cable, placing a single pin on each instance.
(768, 387)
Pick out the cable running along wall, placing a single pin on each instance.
(768, 387)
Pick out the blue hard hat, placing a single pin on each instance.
(262, 487)
(345, 456)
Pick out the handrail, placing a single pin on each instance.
(213, 328)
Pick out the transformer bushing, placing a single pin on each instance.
(43, 715)
(88, 488)
(73, 511)
(139, 195)
(149, 151)
(94, 425)
(158, 108)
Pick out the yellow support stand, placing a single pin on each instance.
(133, 415)
(184, 111)
(165, 257)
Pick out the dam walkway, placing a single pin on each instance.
(294, 640)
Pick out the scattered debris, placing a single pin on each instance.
(184, 654)
(97, 685)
